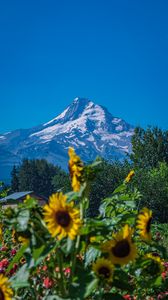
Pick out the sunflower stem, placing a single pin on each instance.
(77, 245)
(62, 281)
(81, 210)
(101, 290)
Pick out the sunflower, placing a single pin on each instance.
(129, 176)
(154, 265)
(144, 223)
(104, 269)
(75, 169)
(5, 290)
(121, 249)
(23, 240)
(62, 218)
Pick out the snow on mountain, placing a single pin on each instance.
(84, 125)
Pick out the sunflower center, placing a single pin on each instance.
(104, 271)
(63, 218)
(2, 297)
(153, 268)
(148, 225)
(156, 268)
(121, 249)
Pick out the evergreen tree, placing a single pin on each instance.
(61, 182)
(25, 176)
(46, 172)
(37, 175)
(14, 180)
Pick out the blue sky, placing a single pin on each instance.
(113, 52)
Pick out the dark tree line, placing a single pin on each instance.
(39, 176)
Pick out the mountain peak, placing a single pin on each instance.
(72, 112)
(81, 100)
(88, 127)
(77, 107)
(83, 121)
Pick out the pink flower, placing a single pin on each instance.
(162, 295)
(4, 248)
(13, 252)
(4, 263)
(128, 297)
(44, 268)
(164, 275)
(166, 265)
(47, 282)
(67, 271)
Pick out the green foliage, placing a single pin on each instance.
(149, 147)
(61, 182)
(39, 176)
(153, 185)
(107, 178)
(150, 162)
(4, 190)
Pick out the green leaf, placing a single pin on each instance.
(37, 252)
(70, 245)
(91, 255)
(79, 290)
(130, 204)
(20, 280)
(124, 197)
(72, 196)
(121, 281)
(45, 252)
(23, 219)
(120, 189)
(158, 281)
(96, 163)
(91, 287)
(30, 203)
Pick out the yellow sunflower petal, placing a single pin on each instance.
(62, 219)
(129, 176)
(144, 223)
(76, 169)
(6, 292)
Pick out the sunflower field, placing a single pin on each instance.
(58, 252)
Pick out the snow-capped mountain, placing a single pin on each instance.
(84, 125)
